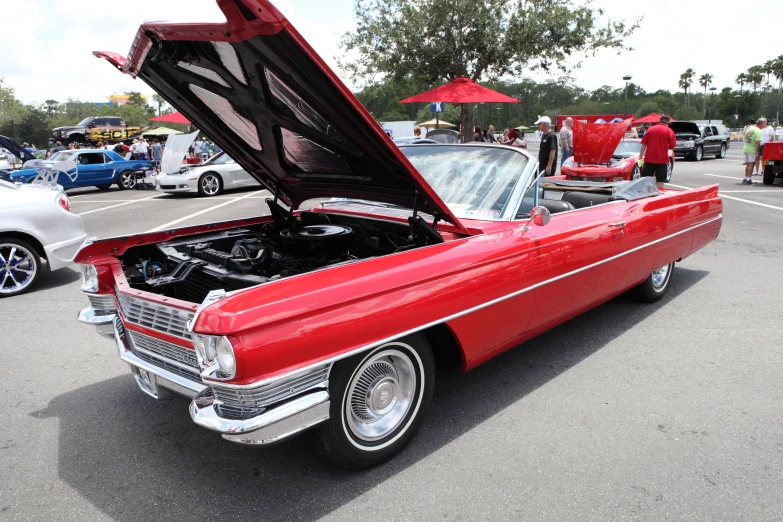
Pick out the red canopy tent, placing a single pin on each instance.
(173, 117)
(653, 117)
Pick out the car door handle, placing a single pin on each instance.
(619, 225)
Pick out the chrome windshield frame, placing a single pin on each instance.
(515, 198)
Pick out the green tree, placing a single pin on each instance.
(11, 109)
(159, 100)
(686, 113)
(647, 108)
(686, 80)
(755, 77)
(433, 41)
(705, 80)
(135, 98)
(741, 80)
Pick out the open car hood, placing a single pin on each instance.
(16, 149)
(685, 127)
(255, 87)
(594, 143)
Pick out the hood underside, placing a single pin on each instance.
(685, 127)
(256, 88)
(594, 143)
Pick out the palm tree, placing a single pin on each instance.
(705, 80)
(755, 76)
(741, 79)
(767, 69)
(160, 100)
(684, 84)
(689, 75)
(777, 72)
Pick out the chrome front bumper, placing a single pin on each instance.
(276, 423)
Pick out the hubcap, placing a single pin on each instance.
(210, 185)
(128, 180)
(698, 153)
(669, 171)
(380, 395)
(659, 277)
(17, 268)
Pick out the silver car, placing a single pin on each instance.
(36, 224)
(218, 173)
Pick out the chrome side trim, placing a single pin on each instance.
(457, 315)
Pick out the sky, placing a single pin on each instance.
(48, 54)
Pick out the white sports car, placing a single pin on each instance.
(218, 173)
(36, 224)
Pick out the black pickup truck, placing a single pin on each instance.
(109, 129)
(695, 141)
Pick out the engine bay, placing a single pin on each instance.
(188, 268)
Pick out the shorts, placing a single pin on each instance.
(656, 170)
(749, 158)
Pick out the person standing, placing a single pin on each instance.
(134, 150)
(567, 140)
(197, 149)
(767, 135)
(750, 150)
(58, 146)
(503, 139)
(654, 152)
(417, 131)
(547, 152)
(489, 136)
(145, 149)
(157, 155)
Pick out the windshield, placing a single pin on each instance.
(63, 155)
(626, 149)
(474, 182)
(219, 159)
(84, 122)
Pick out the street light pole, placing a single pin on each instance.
(736, 106)
(712, 95)
(627, 79)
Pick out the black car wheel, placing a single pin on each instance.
(378, 401)
(655, 286)
(699, 153)
(769, 175)
(126, 180)
(722, 153)
(104, 187)
(20, 266)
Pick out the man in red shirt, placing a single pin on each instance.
(655, 150)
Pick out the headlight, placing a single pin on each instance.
(215, 356)
(89, 278)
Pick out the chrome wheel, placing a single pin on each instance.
(127, 180)
(699, 153)
(669, 168)
(722, 151)
(660, 277)
(18, 268)
(209, 184)
(636, 174)
(380, 394)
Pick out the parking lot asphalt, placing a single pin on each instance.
(669, 411)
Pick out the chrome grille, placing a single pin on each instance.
(166, 319)
(173, 358)
(103, 304)
(246, 403)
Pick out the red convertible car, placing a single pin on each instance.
(336, 318)
(601, 153)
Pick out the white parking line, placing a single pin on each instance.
(115, 206)
(723, 195)
(210, 209)
(730, 177)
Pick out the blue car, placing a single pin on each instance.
(94, 168)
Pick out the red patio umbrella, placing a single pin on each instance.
(653, 117)
(173, 117)
(460, 90)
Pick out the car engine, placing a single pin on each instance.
(188, 268)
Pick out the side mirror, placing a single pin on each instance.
(540, 216)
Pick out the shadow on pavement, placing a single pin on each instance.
(49, 279)
(138, 459)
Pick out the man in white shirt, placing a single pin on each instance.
(767, 135)
(135, 150)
